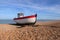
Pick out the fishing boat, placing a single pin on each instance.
(21, 19)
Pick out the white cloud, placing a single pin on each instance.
(28, 3)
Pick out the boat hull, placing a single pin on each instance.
(26, 20)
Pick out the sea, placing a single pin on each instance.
(10, 21)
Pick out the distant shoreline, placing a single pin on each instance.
(8, 21)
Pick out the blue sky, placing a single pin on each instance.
(46, 9)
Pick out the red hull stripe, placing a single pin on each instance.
(25, 17)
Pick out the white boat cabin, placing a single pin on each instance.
(20, 15)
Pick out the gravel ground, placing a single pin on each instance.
(39, 31)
